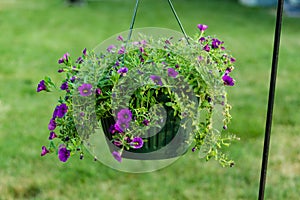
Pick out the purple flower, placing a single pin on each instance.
(44, 151)
(125, 115)
(215, 43)
(64, 59)
(98, 91)
(63, 153)
(122, 71)
(232, 59)
(110, 48)
(142, 50)
(117, 156)
(112, 129)
(52, 135)
(84, 51)
(72, 79)
(137, 143)
(118, 143)
(64, 86)
(202, 27)
(122, 50)
(121, 126)
(52, 124)
(120, 38)
(146, 122)
(206, 48)
(61, 110)
(85, 89)
(41, 86)
(193, 149)
(79, 60)
(156, 79)
(60, 70)
(172, 72)
(200, 58)
(228, 80)
(202, 39)
(143, 42)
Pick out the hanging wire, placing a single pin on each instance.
(271, 100)
(133, 20)
(178, 21)
(174, 12)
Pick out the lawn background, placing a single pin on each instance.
(35, 33)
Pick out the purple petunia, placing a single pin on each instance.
(85, 89)
(120, 38)
(44, 151)
(146, 122)
(52, 135)
(202, 39)
(41, 86)
(121, 126)
(232, 59)
(60, 111)
(206, 48)
(60, 70)
(215, 43)
(137, 143)
(228, 80)
(202, 27)
(79, 60)
(110, 48)
(64, 59)
(117, 156)
(124, 115)
(122, 71)
(72, 79)
(172, 72)
(122, 50)
(156, 79)
(63, 153)
(98, 91)
(64, 86)
(84, 51)
(52, 124)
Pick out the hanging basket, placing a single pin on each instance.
(151, 92)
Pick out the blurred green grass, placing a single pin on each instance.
(35, 33)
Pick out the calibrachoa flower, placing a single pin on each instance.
(52, 124)
(44, 151)
(215, 43)
(110, 48)
(84, 52)
(228, 80)
(122, 71)
(52, 135)
(61, 110)
(122, 50)
(137, 143)
(85, 89)
(121, 126)
(64, 86)
(172, 72)
(146, 122)
(117, 156)
(156, 79)
(41, 86)
(64, 59)
(125, 115)
(120, 38)
(202, 27)
(63, 153)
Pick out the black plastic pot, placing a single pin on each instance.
(167, 143)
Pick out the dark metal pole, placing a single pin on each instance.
(271, 101)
